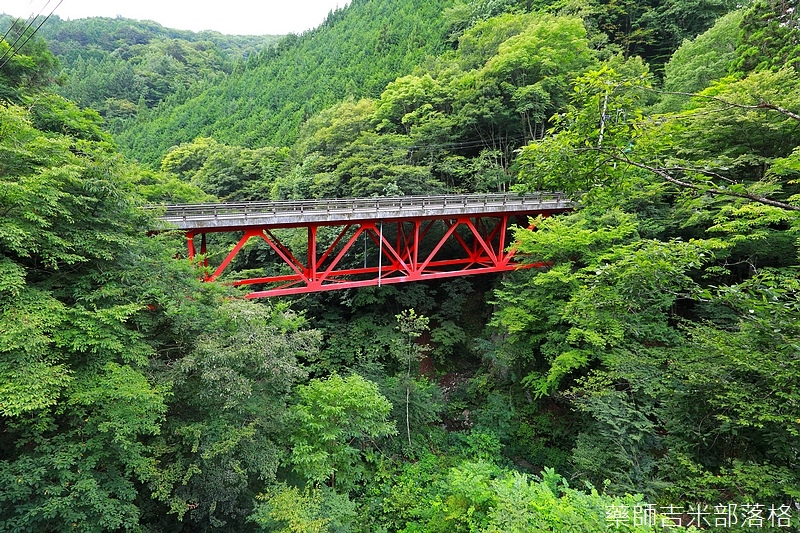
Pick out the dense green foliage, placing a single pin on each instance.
(120, 67)
(353, 54)
(672, 303)
(126, 397)
(27, 69)
(650, 369)
(454, 127)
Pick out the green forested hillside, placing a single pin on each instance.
(370, 43)
(120, 67)
(91, 37)
(354, 54)
(645, 379)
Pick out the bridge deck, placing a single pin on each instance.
(224, 216)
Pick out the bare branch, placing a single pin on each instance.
(665, 174)
(767, 105)
(761, 105)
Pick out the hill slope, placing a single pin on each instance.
(353, 54)
(120, 66)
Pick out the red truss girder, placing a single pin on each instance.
(475, 245)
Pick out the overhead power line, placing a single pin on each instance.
(25, 27)
(16, 21)
(14, 49)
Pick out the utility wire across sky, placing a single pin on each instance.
(25, 32)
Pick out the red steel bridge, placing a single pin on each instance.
(359, 242)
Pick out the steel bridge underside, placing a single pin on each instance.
(362, 247)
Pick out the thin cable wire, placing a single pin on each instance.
(27, 26)
(32, 33)
(11, 27)
(14, 23)
(14, 49)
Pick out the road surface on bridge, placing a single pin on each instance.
(223, 216)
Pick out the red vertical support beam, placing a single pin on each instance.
(501, 253)
(311, 271)
(203, 249)
(380, 255)
(401, 250)
(190, 244)
(476, 231)
(415, 270)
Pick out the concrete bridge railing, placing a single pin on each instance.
(221, 215)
